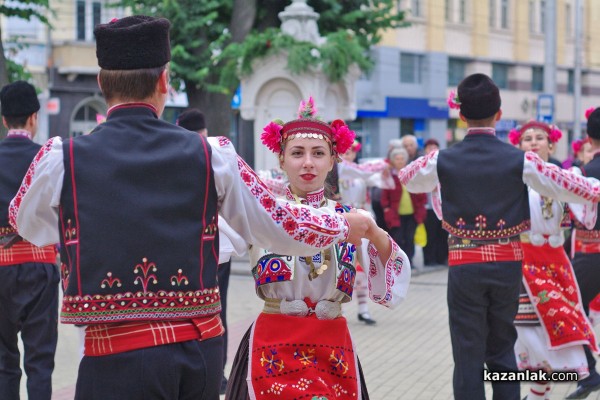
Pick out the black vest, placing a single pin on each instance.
(483, 194)
(16, 153)
(138, 219)
(591, 169)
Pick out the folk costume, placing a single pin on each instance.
(135, 206)
(28, 274)
(300, 346)
(484, 205)
(551, 324)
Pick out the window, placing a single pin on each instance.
(568, 20)
(571, 81)
(89, 14)
(456, 71)
(537, 79)
(543, 16)
(504, 14)
(531, 16)
(448, 10)
(493, 13)
(500, 75)
(462, 11)
(410, 68)
(415, 8)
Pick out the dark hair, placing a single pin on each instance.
(593, 124)
(15, 122)
(129, 85)
(479, 97)
(192, 119)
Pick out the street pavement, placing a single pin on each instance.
(406, 355)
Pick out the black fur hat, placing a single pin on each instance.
(479, 97)
(593, 124)
(192, 120)
(136, 42)
(19, 99)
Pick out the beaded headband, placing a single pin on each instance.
(276, 133)
(554, 134)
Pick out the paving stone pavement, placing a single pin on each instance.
(405, 356)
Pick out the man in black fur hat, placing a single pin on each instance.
(28, 274)
(586, 262)
(193, 120)
(137, 204)
(485, 207)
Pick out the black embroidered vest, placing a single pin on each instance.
(483, 194)
(138, 219)
(16, 153)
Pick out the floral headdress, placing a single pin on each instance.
(577, 145)
(453, 100)
(589, 112)
(356, 146)
(276, 133)
(554, 134)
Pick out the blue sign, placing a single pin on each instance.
(545, 108)
(237, 98)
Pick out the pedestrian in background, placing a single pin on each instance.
(402, 210)
(29, 276)
(485, 207)
(136, 202)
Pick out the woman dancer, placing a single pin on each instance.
(300, 346)
(551, 325)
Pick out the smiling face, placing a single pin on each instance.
(306, 161)
(536, 140)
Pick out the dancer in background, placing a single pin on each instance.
(551, 325)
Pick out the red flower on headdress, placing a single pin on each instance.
(514, 136)
(577, 145)
(271, 136)
(589, 112)
(307, 109)
(555, 134)
(453, 101)
(356, 146)
(343, 137)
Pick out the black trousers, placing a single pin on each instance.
(436, 250)
(404, 235)
(28, 304)
(482, 304)
(587, 273)
(189, 370)
(223, 273)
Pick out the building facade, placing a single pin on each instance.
(417, 66)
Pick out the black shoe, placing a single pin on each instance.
(366, 318)
(583, 391)
(223, 385)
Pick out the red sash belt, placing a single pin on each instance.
(587, 241)
(302, 358)
(104, 339)
(25, 252)
(467, 251)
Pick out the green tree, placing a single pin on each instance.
(25, 9)
(214, 41)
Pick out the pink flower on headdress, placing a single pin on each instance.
(307, 109)
(514, 136)
(271, 136)
(577, 145)
(555, 134)
(356, 146)
(453, 101)
(343, 137)
(589, 112)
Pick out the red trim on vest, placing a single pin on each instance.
(105, 339)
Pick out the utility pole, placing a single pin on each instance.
(577, 71)
(550, 52)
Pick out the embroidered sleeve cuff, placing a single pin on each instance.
(388, 284)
